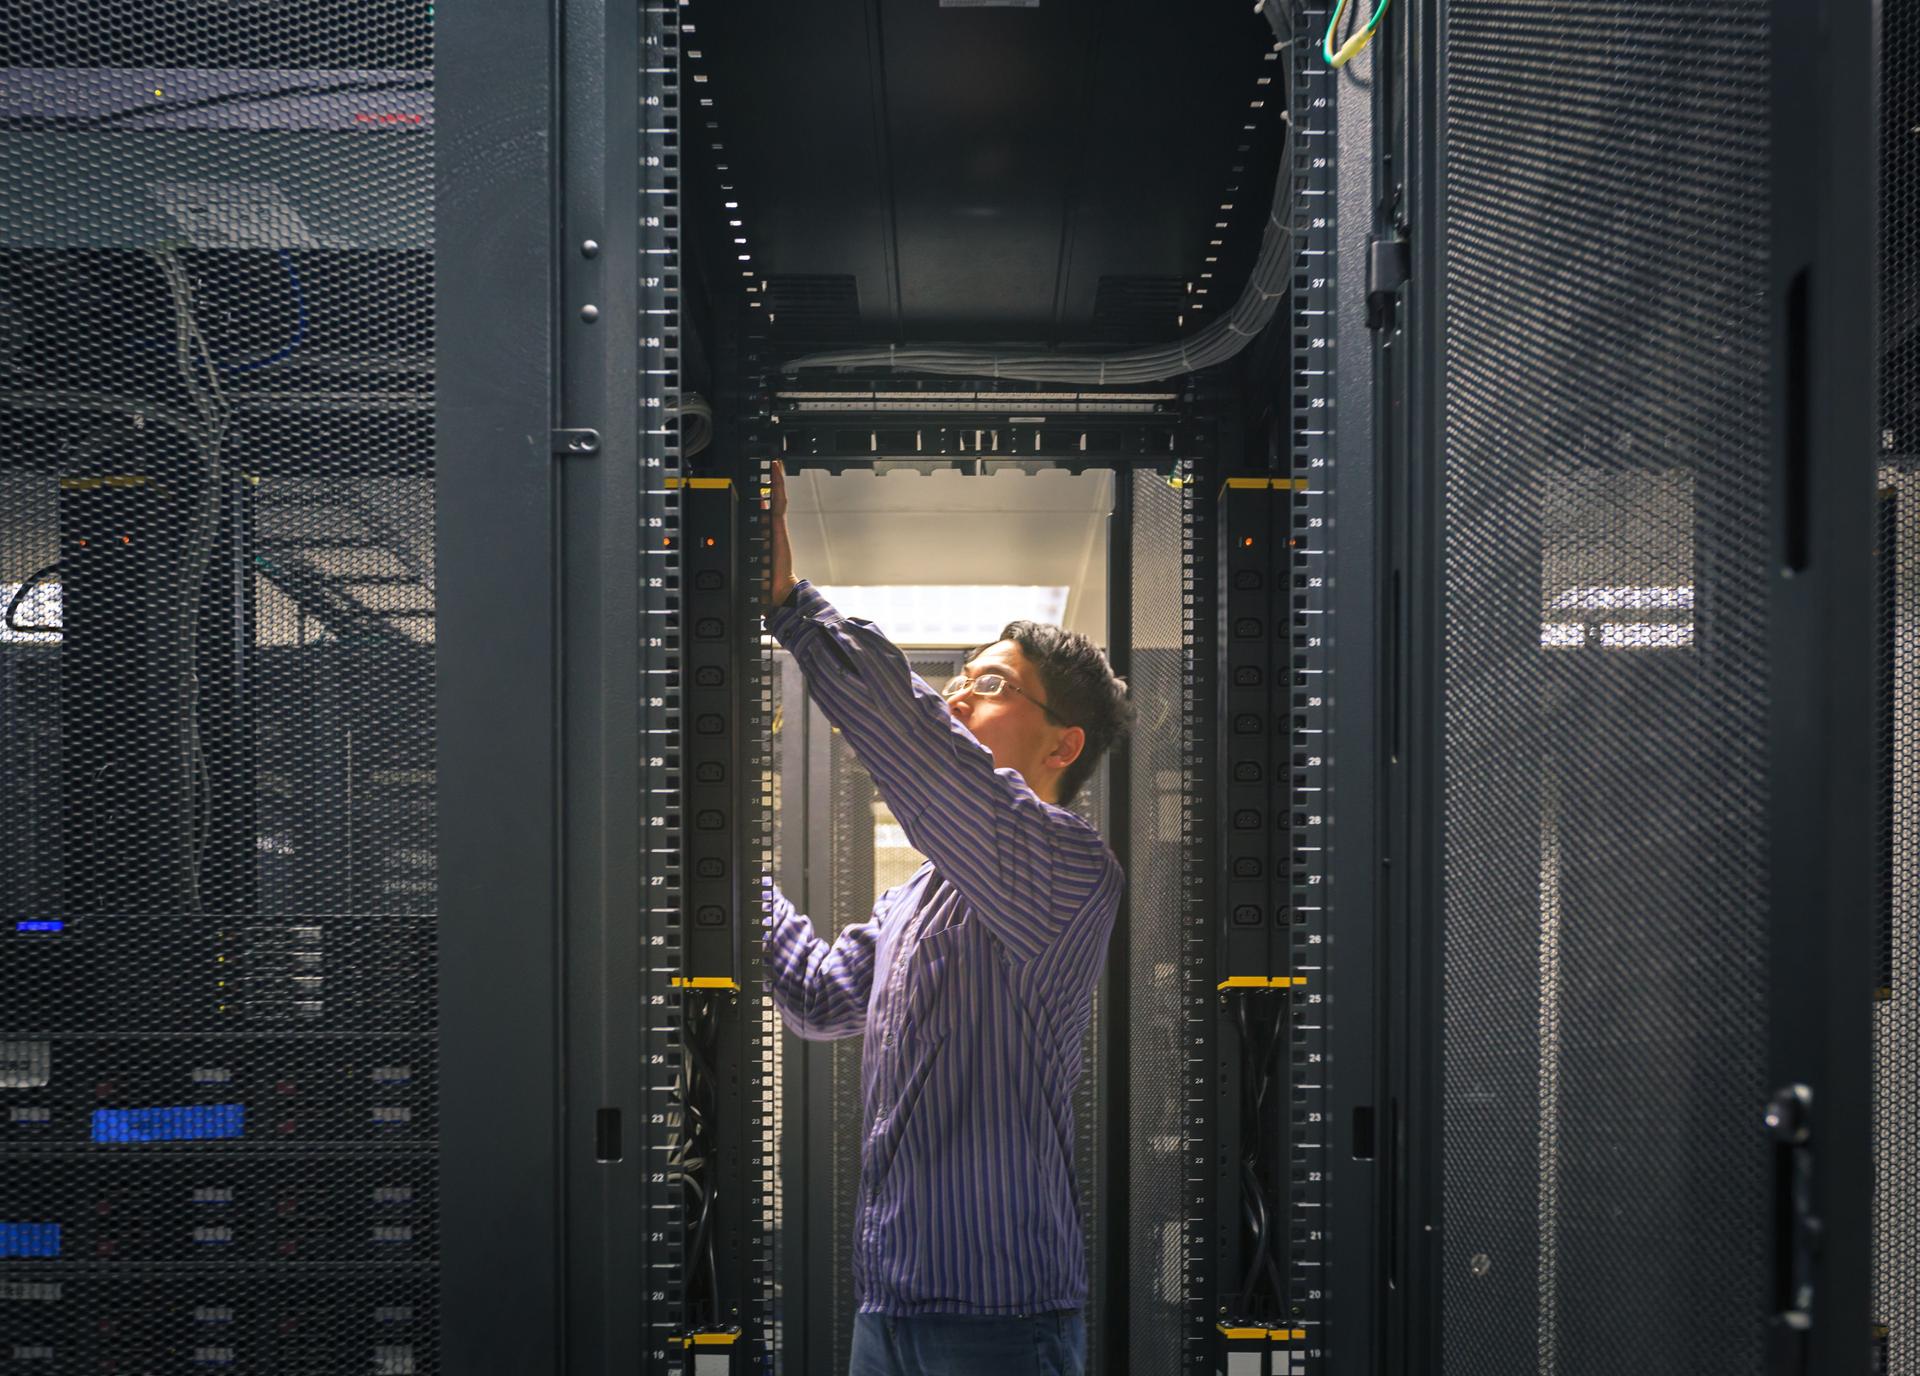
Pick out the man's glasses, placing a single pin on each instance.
(992, 686)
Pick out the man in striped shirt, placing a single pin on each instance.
(971, 983)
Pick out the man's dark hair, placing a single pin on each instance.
(1081, 689)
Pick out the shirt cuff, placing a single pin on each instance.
(804, 604)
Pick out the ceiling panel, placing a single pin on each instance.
(1044, 529)
(975, 171)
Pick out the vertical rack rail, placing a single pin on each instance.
(662, 1294)
(1310, 901)
(1199, 1122)
(762, 1027)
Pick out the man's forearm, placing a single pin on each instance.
(821, 988)
(780, 578)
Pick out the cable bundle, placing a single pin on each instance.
(1263, 1293)
(691, 1157)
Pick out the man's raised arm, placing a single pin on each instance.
(1027, 867)
(821, 988)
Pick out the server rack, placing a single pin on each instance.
(220, 971)
(503, 882)
(1169, 1302)
(1617, 596)
(571, 586)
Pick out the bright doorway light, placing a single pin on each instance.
(958, 614)
(40, 607)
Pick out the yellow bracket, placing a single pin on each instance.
(1265, 484)
(89, 484)
(704, 982)
(700, 484)
(709, 1339)
(1263, 981)
(1276, 1335)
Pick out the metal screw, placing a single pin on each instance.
(1480, 1264)
(589, 313)
(590, 248)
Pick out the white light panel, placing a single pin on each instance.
(964, 615)
(40, 607)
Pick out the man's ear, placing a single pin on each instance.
(1072, 741)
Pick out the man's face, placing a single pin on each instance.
(1012, 725)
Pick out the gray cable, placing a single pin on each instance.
(209, 436)
(696, 424)
(1218, 342)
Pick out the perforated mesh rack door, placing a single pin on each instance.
(853, 887)
(1896, 981)
(1605, 550)
(217, 725)
(1162, 926)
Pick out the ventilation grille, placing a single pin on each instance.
(1160, 686)
(1900, 238)
(1605, 541)
(1896, 981)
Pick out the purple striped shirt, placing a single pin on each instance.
(972, 985)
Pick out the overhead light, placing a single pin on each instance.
(1666, 624)
(1645, 635)
(1676, 598)
(947, 614)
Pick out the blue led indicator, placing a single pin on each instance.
(184, 1123)
(40, 925)
(29, 1239)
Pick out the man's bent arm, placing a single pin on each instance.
(1026, 867)
(821, 988)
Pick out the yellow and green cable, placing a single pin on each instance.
(1347, 51)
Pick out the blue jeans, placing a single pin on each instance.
(969, 1345)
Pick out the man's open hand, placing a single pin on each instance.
(780, 579)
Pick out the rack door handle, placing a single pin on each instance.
(1796, 1227)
